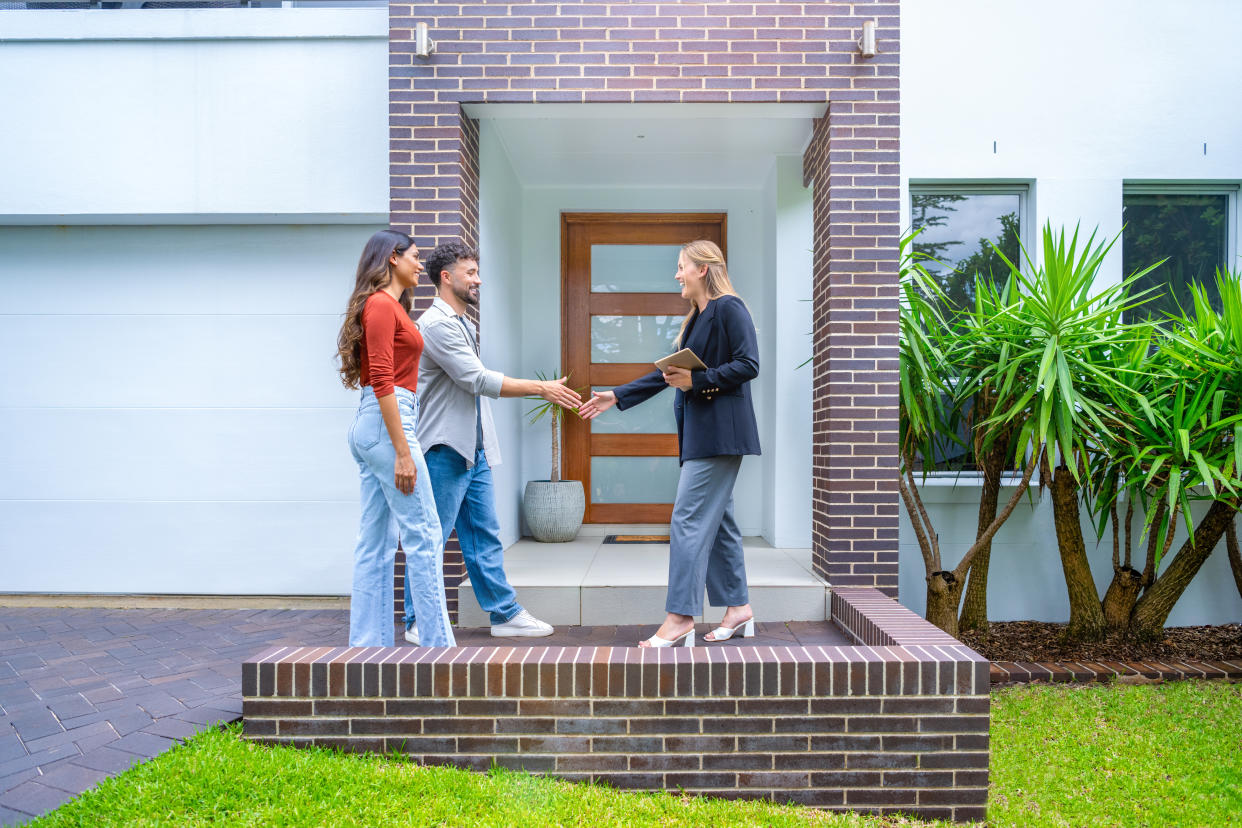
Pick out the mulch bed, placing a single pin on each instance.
(1037, 641)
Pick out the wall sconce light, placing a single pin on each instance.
(424, 46)
(866, 44)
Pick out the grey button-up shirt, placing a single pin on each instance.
(451, 377)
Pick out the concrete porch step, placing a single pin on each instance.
(587, 582)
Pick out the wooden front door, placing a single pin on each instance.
(621, 310)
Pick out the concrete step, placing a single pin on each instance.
(587, 582)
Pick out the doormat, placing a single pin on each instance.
(636, 539)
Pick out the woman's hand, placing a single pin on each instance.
(679, 378)
(406, 474)
(600, 402)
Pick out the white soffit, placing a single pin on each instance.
(647, 145)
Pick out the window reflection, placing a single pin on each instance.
(959, 231)
(634, 479)
(632, 338)
(1188, 229)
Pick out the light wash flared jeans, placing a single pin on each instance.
(383, 504)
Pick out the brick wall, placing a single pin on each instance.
(897, 727)
(734, 52)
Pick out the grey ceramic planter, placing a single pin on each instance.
(554, 510)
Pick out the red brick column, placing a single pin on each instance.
(721, 52)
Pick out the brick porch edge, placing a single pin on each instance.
(897, 723)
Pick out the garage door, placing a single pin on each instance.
(171, 420)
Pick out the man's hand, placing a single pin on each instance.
(555, 391)
(679, 378)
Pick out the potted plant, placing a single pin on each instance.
(553, 508)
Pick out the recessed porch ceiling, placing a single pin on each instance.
(647, 145)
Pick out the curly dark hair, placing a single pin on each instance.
(374, 273)
(445, 256)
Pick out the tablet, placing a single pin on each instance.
(685, 358)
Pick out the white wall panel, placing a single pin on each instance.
(201, 361)
(173, 454)
(500, 268)
(176, 400)
(228, 548)
(210, 124)
(179, 270)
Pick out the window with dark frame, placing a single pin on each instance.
(1190, 230)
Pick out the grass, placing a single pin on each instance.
(1167, 754)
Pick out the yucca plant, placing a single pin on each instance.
(1185, 447)
(1061, 374)
(934, 398)
(554, 412)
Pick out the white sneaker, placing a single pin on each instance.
(411, 635)
(522, 625)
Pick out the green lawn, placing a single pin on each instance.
(1153, 755)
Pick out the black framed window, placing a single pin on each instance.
(1188, 228)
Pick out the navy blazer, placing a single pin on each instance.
(716, 415)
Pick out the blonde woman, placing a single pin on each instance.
(715, 427)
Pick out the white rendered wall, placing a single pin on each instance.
(503, 326)
(790, 431)
(175, 422)
(213, 112)
(1096, 96)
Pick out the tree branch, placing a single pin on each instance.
(918, 519)
(1153, 539)
(1129, 523)
(1112, 512)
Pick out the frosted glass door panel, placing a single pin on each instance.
(632, 338)
(634, 268)
(634, 479)
(655, 416)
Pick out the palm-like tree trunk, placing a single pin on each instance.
(1152, 610)
(556, 446)
(1086, 621)
(1235, 557)
(975, 604)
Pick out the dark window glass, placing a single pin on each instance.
(959, 230)
(1188, 229)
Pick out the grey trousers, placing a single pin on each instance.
(705, 546)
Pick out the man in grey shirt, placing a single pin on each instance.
(456, 433)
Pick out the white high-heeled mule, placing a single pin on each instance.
(747, 629)
(686, 639)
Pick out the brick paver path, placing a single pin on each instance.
(86, 693)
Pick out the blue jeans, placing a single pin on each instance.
(414, 516)
(466, 501)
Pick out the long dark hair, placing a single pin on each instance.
(374, 273)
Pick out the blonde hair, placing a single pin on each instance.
(704, 253)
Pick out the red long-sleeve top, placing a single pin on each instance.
(391, 346)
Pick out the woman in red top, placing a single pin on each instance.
(379, 347)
